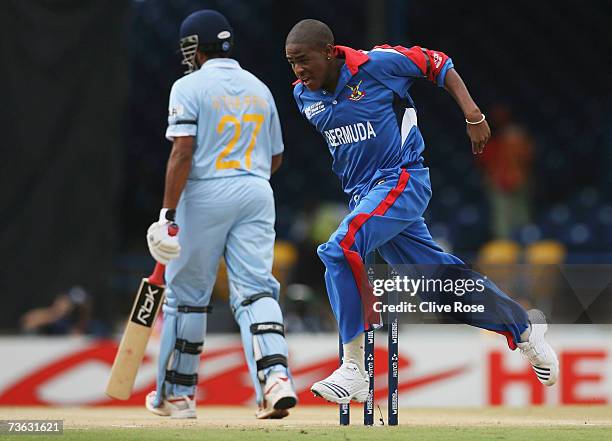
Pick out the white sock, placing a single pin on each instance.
(354, 352)
(525, 335)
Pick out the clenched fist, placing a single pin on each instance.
(162, 240)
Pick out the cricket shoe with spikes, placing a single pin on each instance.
(278, 397)
(345, 384)
(179, 408)
(537, 350)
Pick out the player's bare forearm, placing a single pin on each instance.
(456, 87)
(478, 133)
(177, 170)
(277, 160)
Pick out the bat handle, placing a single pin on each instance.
(157, 276)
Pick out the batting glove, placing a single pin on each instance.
(162, 246)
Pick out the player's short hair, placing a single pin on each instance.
(310, 32)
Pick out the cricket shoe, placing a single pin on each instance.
(538, 352)
(179, 408)
(345, 384)
(278, 397)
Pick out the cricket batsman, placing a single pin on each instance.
(227, 141)
(352, 97)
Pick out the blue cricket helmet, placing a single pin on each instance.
(206, 30)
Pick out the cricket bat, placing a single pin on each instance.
(140, 323)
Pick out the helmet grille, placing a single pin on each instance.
(189, 46)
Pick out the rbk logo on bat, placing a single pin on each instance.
(149, 297)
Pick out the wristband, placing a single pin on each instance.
(167, 214)
(476, 122)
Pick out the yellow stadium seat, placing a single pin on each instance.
(545, 252)
(499, 252)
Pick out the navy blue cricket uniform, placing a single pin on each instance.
(370, 125)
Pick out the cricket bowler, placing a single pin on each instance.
(351, 97)
(227, 141)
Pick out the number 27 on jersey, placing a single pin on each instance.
(230, 121)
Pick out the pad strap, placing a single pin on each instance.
(199, 309)
(187, 347)
(271, 360)
(268, 328)
(182, 379)
(255, 297)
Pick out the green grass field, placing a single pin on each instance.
(321, 423)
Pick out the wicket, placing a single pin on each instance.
(393, 358)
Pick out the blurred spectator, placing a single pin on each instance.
(507, 164)
(70, 313)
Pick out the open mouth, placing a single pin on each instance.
(306, 81)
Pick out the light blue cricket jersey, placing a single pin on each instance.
(233, 117)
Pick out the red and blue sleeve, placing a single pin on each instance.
(410, 63)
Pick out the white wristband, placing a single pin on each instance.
(476, 122)
(167, 214)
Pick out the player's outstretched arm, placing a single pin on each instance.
(177, 170)
(477, 127)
